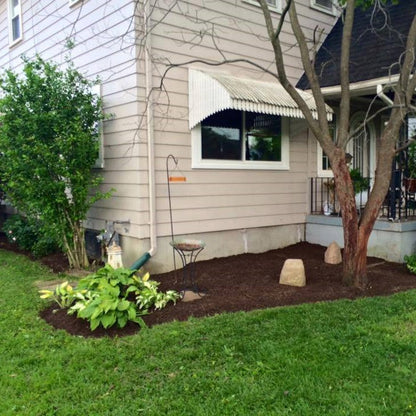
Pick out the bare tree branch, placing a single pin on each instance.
(345, 73)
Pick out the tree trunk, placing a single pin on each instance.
(79, 249)
(346, 197)
(76, 252)
(360, 275)
(357, 230)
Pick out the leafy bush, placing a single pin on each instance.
(111, 297)
(30, 235)
(411, 263)
(49, 142)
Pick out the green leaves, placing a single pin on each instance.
(49, 144)
(31, 235)
(411, 263)
(106, 297)
(64, 295)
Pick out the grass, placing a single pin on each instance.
(336, 358)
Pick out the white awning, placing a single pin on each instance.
(210, 93)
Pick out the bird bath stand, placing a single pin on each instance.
(188, 251)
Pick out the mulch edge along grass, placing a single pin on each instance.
(342, 357)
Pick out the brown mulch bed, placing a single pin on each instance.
(245, 282)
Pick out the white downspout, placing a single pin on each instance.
(383, 96)
(150, 127)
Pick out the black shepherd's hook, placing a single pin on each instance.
(170, 204)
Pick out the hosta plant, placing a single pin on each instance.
(64, 295)
(111, 297)
(148, 296)
(411, 263)
(106, 306)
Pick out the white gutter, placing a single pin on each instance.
(150, 128)
(361, 87)
(383, 96)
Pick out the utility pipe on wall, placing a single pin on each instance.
(150, 139)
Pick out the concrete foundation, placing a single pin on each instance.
(218, 244)
(390, 241)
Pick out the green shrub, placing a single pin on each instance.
(411, 263)
(30, 235)
(49, 144)
(111, 297)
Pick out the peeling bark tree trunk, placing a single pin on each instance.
(357, 230)
(346, 197)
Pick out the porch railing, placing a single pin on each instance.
(399, 204)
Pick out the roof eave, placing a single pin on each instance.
(359, 88)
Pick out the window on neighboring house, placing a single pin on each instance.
(241, 140)
(324, 167)
(15, 21)
(273, 4)
(326, 5)
(411, 127)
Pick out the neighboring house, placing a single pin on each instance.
(378, 41)
(241, 143)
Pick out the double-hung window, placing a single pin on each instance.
(324, 5)
(233, 139)
(324, 167)
(274, 5)
(15, 21)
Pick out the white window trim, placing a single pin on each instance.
(325, 173)
(73, 2)
(12, 41)
(322, 173)
(277, 8)
(315, 6)
(357, 118)
(199, 163)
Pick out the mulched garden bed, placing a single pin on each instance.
(245, 282)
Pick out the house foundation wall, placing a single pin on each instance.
(389, 240)
(218, 244)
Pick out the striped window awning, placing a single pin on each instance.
(210, 93)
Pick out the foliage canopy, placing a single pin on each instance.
(49, 144)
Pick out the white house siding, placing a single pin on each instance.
(233, 210)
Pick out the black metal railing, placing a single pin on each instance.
(399, 204)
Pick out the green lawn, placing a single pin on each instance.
(336, 358)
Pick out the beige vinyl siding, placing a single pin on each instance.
(210, 200)
(103, 36)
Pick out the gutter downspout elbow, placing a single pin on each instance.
(383, 96)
